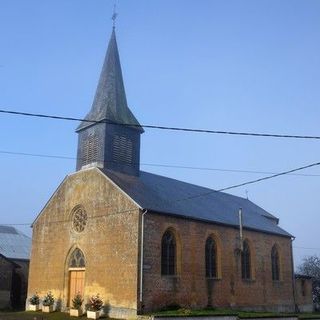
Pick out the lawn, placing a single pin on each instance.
(227, 312)
(30, 315)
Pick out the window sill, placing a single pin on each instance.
(170, 276)
(214, 278)
(248, 281)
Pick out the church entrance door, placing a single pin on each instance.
(76, 284)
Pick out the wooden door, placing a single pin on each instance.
(76, 284)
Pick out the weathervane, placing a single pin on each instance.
(114, 15)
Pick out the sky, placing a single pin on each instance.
(229, 65)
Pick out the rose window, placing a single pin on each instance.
(79, 219)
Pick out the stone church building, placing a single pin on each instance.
(144, 241)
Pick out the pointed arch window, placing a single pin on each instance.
(211, 258)
(77, 259)
(168, 254)
(275, 265)
(246, 261)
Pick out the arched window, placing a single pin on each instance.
(246, 261)
(168, 254)
(275, 265)
(77, 259)
(211, 258)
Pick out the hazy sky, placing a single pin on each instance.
(221, 65)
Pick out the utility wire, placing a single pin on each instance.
(118, 212)
(253, 134)
(250, 182)
(156, 164)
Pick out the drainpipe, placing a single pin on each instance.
(141, 257)
(240, 229)
(296, 308)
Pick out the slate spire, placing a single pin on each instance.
(106, 144)
(110, 102)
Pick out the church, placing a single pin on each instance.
(145, 242)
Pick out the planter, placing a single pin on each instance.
(34, 307)
(76, 312)
(93, 314)
(47, 309)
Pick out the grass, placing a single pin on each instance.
(227, 312)
(31, 315)
(38, 315)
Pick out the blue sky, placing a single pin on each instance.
(221, 65)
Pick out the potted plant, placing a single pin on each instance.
(34, 302)
(76, 310)
(47, 302)
(94, 306)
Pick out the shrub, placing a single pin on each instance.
(48, 299)
(34, 300)
(77, 301)
(95, 303)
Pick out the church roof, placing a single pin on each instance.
(173, 197)
(14, 244)
(110, 102)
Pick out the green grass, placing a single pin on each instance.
(227, 312)
(32, 315)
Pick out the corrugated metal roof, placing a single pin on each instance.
(166, 195)
(14, 244)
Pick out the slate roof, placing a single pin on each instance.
(110, 102)
(169, 196)
(14, 244)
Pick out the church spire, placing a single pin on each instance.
(114, 141)
(110, 102)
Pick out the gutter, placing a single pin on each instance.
(141, 259)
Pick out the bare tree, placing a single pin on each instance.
(311, 267)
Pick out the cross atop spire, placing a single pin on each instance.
(114, 15)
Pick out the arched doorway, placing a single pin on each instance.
(77, 267)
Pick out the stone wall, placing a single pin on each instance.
(6, 271)
(109, 242)
(190, 288)
(303, 290)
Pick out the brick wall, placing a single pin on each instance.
(190, 288)
(109, 242)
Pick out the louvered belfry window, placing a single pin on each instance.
(275, 264)
(246, 261)
(211, 258)
(91, 149)
(168, 254)
(122, 149)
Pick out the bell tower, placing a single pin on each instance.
(110, 135)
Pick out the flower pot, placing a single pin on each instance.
(34, 307)
(93, 314)
(47, 309)
(76, 312)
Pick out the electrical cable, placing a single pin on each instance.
(253, 134)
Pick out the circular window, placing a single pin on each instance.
(79, 218)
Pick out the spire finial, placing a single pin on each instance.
(114, 15)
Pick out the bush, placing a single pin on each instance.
(95, 303)
(34, 300)
(77, 301)
(48, 299)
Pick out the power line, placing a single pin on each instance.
(38, 155)
(251, 182)
(119, 212)
(252, 134)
